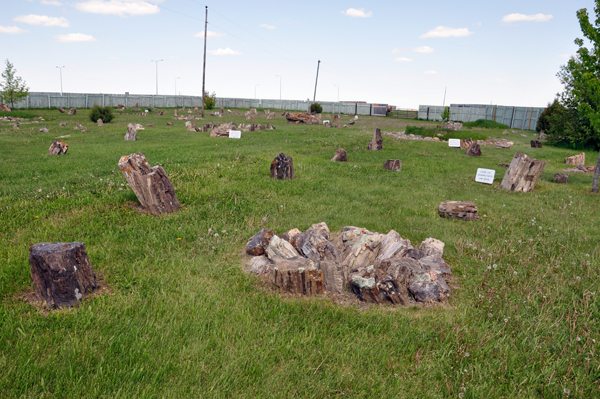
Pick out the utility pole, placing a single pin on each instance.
(157, 61)
(61, 67)
(315, 97)
(444, 104)
(204, 65)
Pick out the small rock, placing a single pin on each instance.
(279, 248)
(393, 165)
(432, 246)
(259, 242)
(561, 178)
(260, 265)
(44, 130)
(58, 148)
(340, 156)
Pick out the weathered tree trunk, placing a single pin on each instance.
(131, 134)
(561, 178)
(340, 156)
(58, 148)
(536, 144)
(151, 185)
(376, 143)
(522, 174)
(282, 167)
(596, 175)
(72, 111)
(61, 110)
(577, 160)
(61, 273)
(297, 276)
(393, 164)
(462, 210)
(465, 144)
(474, 150)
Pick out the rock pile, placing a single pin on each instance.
(577, 160)
(377, 268)
(300, 117)
(452, 125)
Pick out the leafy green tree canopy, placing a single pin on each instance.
(13, 88)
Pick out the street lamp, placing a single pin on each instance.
(279, 87)
(157, 61)
(255, 91)
(61, 67)
(338, 92)
(176, 86)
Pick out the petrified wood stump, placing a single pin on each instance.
(297, 276)
(282, 167)
(61, 110)
(561, 178)
(151, 185)
(577, 160)
(300, 117)
(474, 150)
(393, 164)
(72, 111)
(100, 122)
(58, 148)
(536, 144)
(61, 273)
(465, 144)
(376, 143)
(271, 116)
(131, 134)
(522, 174)
(462, 210)
(340, 156)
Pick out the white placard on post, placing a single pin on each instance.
(485, 176)
(454, 143)
(217, 112)
(235, 134)
(326, 121)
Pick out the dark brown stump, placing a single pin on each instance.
(393, 164)
(151, 185)
(536, 144)
(282, 167)
(462, 210)
(258, 244)
(58, 148)
(561, 178)
(474, 150)
(131, 134)
(61, 110)
(377, 143)
(340, 156)
(61, 273)
(522, 174)
(170, 123)
(72, 111)
(297, 276)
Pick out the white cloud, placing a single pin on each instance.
(74, 38)
(51, 3)
(395, 50)
(224, 51)
(42, 20)
(403, 59)
(119, 7)
(357, 13)
(424, 50)
(444, 31)
(209, 34)
(430, 72)
(267, 26)
(523, 17)
(11, 30)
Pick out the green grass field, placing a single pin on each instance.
(179, 318)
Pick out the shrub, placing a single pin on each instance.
(104, 113)
(316, 108)
(486, 124)
(446, 114)
(210, 100)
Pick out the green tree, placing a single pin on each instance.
(13, 88)
(446, 114)
(210, 100)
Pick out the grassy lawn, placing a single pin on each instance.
(179, 318)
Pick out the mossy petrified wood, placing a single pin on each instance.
(151, 185)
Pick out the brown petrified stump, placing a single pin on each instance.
(258, 244)
(522, 174)
(271, 116)
(340, 156)
(577, 160)
(61, 273)
(282, 167)
(72, 111)
(474, 150)
(465, 144)
(58, 148)
(301, 117)
(393, 164)
(297, 276)
(100, 122)
(536, 144)
(462, 210)
(561, 178)
(131, 134)
(151, 185)
(376, 143)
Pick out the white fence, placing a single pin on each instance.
(524, 118)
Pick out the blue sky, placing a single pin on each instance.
(395, 52)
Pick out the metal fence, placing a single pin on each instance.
(524, 118)
(403, 114)
(88, 100)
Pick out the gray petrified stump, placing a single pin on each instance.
(58, 148)
(340, 156)
(131, 134)
(393, 164)
(377, 143)
(474, 150)
(282, 167)
(462, 210)
(522, 174)
(151, 185)
(536, 144)
(61, 273)
(561, 178)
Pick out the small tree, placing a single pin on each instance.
(210, 100)
(13, 88)
(104, 113)
(446, 114)
(316, 108)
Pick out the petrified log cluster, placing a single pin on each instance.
(522, 174)
(301, 117)
(393, 164)
(151, 185)
(462, 210)
(377, 268)
(577, 160)
(282, 167)
(58, 148)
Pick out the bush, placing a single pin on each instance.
(316, 108)
(486, 124)
(210, 100)
(445, 133)
(104, 113)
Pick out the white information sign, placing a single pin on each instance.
(235, 134)
(454, 143)
(326, 121)
(485, 176)
(217, 113)
(146, 110)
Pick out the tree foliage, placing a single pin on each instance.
(316, 108)
(13, 88)
(104, 113)
(446, 114)
(210, 100)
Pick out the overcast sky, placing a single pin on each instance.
(396, 52)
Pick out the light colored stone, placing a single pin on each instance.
(260, 265)
(432, 246)
(279, 248)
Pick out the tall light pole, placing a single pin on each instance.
(279, 87)
(255, 91)
(157, 61)
(61, 67)
(338, 92)
(176, 86)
